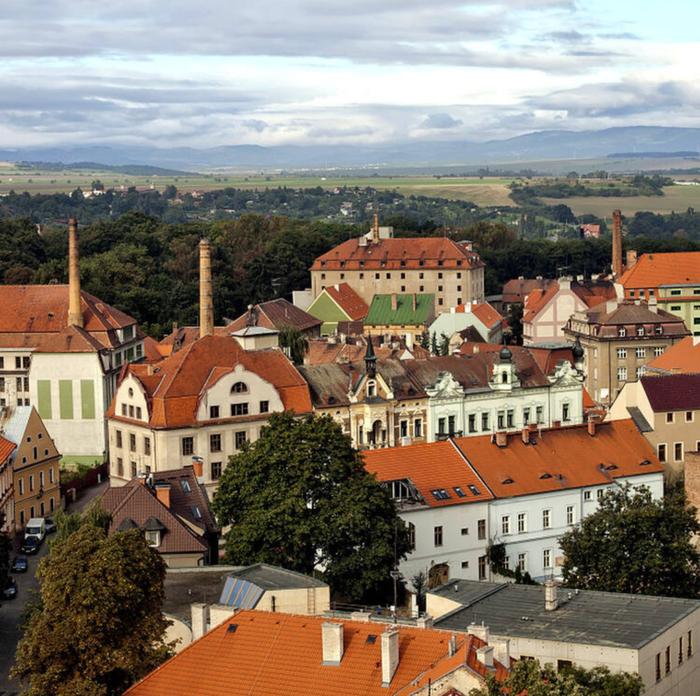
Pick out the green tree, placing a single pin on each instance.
(299, 497)
(295, 344)
(98, 626)
(528, 676)
(444, 345)
(434, 348)
(635, 544)
(420, 586)
(425, 340)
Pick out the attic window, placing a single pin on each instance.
(440, 262)
(440, 494)
(196, 512)
(474, 489)
(403, 262)
(611, 467)
(644, 462)
(460, 493)
(232, 628)
(507, 481)
(371, 639)
(186, 486)
(331, 399)
(459, 262)
(342, 264)
(421, 262)
(546, 475)
(239, 388)
(152, 538)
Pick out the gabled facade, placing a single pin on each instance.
(521, 491)
(32, 470)
(337, 303)
(204, 402)
(401, 315)
(277, 315)
(481, 317)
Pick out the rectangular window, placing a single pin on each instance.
(441, 426)
(240, 438)
(451, 425)
(570, 519)
(500, 419)
(522, 562)
(120, 466)
(481, 529)
(540, 414)
(21, 486)
(87, 399)
(213, 412)
(510, 418)
(586, 495)
(546, 519)
(118, 435)
(18, 363)
(547, 558)
(658, 666)
(131, 410)
(187, 446)
(681, 655)
(51, 475)
(138, 412)
(669, 417)
(667, 661)
(215, 442)
(621, 353)
(124, 410)
(522, 523)
(658, 351)
(264, 407)
(621, 374)
(482, 567)
(239, 409)
(132, 442)
(484, 422)
(641, 352)
(505, 524)
(465, 564)
(31, 484)
(418, 427)
(65, 397)
(437, 535)
(472, 423)
(678, 451)
(526, 416)
(43, 387)
(464, 531)
(565, 414)
(688, 416)
(215, 471)
(147, 446)
(661, 452)
(690, 644)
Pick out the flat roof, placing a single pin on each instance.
(270, 577)
(593, 618)
(183, 586)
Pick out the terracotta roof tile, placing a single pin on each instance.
(268, 654)
(396, 253)
(656, 270)
(684, 356)
(276, 314)
(515, 290)
(6, 449)
(348, 300)
(486, 314)
(679, 392)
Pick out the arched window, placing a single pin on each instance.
(131, 392)
(239, 388)
(504, 377)
(371, 388)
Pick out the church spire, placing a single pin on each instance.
(370, 359)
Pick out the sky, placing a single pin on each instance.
(274, 72)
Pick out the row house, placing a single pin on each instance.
(378, 263)
(619, 339)
(522, 491)
(61, 350)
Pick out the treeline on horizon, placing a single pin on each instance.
(149, 268)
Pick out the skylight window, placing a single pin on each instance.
(440, 494)
(196, 512)
(474, 489)
(186, 486)
(460, 493)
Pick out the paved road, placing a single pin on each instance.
(10, 614)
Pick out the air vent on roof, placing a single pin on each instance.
(546, 475)
(371, 639)
(644, 462)
(232, 628)
(507, 480)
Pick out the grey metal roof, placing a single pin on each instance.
(592, 618)
(273, 578)
(639, 420)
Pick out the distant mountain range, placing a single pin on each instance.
(532, 147)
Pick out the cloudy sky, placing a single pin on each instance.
(211, 72)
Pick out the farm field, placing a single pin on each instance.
(675, 198)
(483, 192)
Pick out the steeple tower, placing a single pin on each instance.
(370, 359)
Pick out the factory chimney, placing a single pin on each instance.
(206, 305)
(75, 314)
(617, 244)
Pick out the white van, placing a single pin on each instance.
(36, 527)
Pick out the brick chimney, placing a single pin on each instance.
(413, 301)
(631, 259)
(550, 596)
(617, 244)
(390, 654)
(591, 426)
(75, 314)
(332, 640)
(198, 466)
(525, 434)
(394, 302)
(206, 306)
(163, 493)
(502, 438)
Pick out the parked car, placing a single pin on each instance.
(20, 564)
(10, 589)
(31, 544)
(50, 525)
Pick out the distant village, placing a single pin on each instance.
(480, 441)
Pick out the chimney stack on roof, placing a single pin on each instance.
(617, 244)
(631, 258)
(550, 596)
(502, 438)
(501, 651)
(390, 654)
(394, 302)
(591, 426)
(206, 305)
(485, 656)
(333, 646)
(479, 630)
(414, 301)
(163, 493)
(198, 467)
(75, 314)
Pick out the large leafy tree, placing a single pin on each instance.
(299, 497)
(98, 626)
(635, 544)
(528, 677)
(295, 343)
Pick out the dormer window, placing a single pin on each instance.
(153, 538)
(239, 388)
(371, 388)
(622, 332)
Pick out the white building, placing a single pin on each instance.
(521, 491)
(655, 637)
(481, 317)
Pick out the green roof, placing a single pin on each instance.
(381, 313)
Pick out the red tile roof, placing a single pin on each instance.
(430, 467)
(348, 300)
(484, 312)
(270, 654)
(591, 293)
(175, 385)
(515, 290)
(396, 253)
(557, 459)
(656, 270)
(6, 449)
(683, 356)
(679, 392)
(276, 314)
(137, 503)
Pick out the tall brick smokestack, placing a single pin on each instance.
(75, 315)
(206, 304)
(617, 244)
